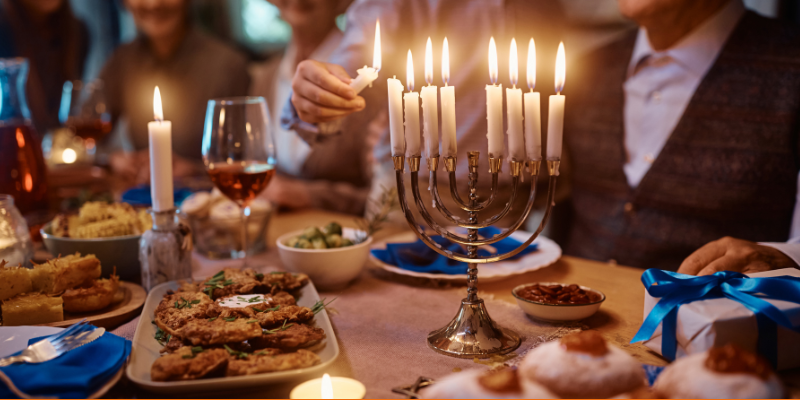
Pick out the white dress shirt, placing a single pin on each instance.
(659, 87)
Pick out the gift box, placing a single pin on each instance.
(759, 312)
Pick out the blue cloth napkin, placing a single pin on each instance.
(140, 196)
(418, 257)
(75, 374)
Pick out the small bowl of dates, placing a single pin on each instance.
(551, 301)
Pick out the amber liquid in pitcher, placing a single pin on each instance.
(22, 168)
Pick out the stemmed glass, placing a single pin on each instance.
(239, 152)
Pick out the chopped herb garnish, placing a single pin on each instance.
(260, 353)
(238, 354)
(195, 350)
(159, 336)
(241, 298)
(258, 309)
(227, 282)
(320, 305)
(195, 301)
(230, 319)
(183, 303)
(277, 273)
(276, 308)
(250, 322)
(259, 276)
(212, 319)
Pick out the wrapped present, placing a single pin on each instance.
(686, 314)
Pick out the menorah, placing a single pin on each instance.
(472, 333)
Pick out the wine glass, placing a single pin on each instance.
(239, 152)
(83, 110)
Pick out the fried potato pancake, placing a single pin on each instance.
(176, 309)
(285, 314)
(217, 330)
(284, 281)
(293, 337)
(185, 365)
(271, 363)
(235, 281)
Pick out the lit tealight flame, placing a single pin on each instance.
(561, 69)
(492, 61)
(158, 113)
(428, 62)
(445, 62)
(69, 156)
(513, 67)
(410, 72)
(327, 387)
(531, 68)
(376, 51)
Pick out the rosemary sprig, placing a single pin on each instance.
(320, 305)
(381, 208)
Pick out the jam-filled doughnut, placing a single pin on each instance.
(478, 384)
(583, 365)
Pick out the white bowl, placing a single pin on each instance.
(558, 312)
(329, 269)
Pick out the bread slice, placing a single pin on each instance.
(13, 281)
(62, 273)
(32, 309)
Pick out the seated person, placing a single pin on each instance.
(188, 66)
(56, 45)
(310, 176)
(682, 133)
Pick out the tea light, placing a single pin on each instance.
(329, 388)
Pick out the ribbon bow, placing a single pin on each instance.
(676, 289)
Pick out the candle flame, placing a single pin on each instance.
(531, 68)
(428, 62)
(158, 113)
(445, 62)
(492, 61)
(410, 72)
(513, 64)
(376, 51)
(561, 69)
(327, 387)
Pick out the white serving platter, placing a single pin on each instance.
(548, 252)
(146, 350)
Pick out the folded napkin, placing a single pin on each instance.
(418, 257)
(140, 196)
(75, 374)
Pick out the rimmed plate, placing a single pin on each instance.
(15, 338)
(548, 252)
(146, 350)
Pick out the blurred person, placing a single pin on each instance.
(683, 137)
(321, 93)
(310, 176)
(55, 42)
(188, 66)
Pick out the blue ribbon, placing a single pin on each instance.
(676, 289)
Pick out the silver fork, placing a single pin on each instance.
(56, 345)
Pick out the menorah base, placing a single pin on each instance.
(472, 333)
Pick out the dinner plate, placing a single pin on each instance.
(146, 350)
(113, 315)
(547, 253)
(15, 338)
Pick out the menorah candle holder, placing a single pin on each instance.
(472, 333)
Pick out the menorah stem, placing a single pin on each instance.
(472, 234)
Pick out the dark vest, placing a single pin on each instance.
(728, 169)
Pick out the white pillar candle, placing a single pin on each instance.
(430, 107)
(367, 75)
(448, 94)
(395, 89)
(533, 110)
(494, 107)
(160, 137)
(516, 142)
(555, 120)
(411, 100)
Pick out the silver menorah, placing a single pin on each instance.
(472, 333)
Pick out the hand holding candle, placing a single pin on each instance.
(448, 106)
(494, 106)
(411, 100)
(555, 122)
(430, 107)
(533, 113)
(160, 137)
(516, 144)
(367, 75)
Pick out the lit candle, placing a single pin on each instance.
(160, 135)
(533, 112)
(516, 143)
(411, 100)
(448, 94)
(430, 107)
(494, 107)
(555, 120)
(367, 74)
(329, 387)
(395, 89)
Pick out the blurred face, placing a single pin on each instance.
(305, 13)
(643, 10)
(159, 18)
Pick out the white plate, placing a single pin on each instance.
(548, 252)
(146, 351)
(15, 338)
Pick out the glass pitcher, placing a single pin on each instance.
(22, 168)
(15, 240)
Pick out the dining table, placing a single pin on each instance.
(381, 320)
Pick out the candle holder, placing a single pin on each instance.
(472, 332)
